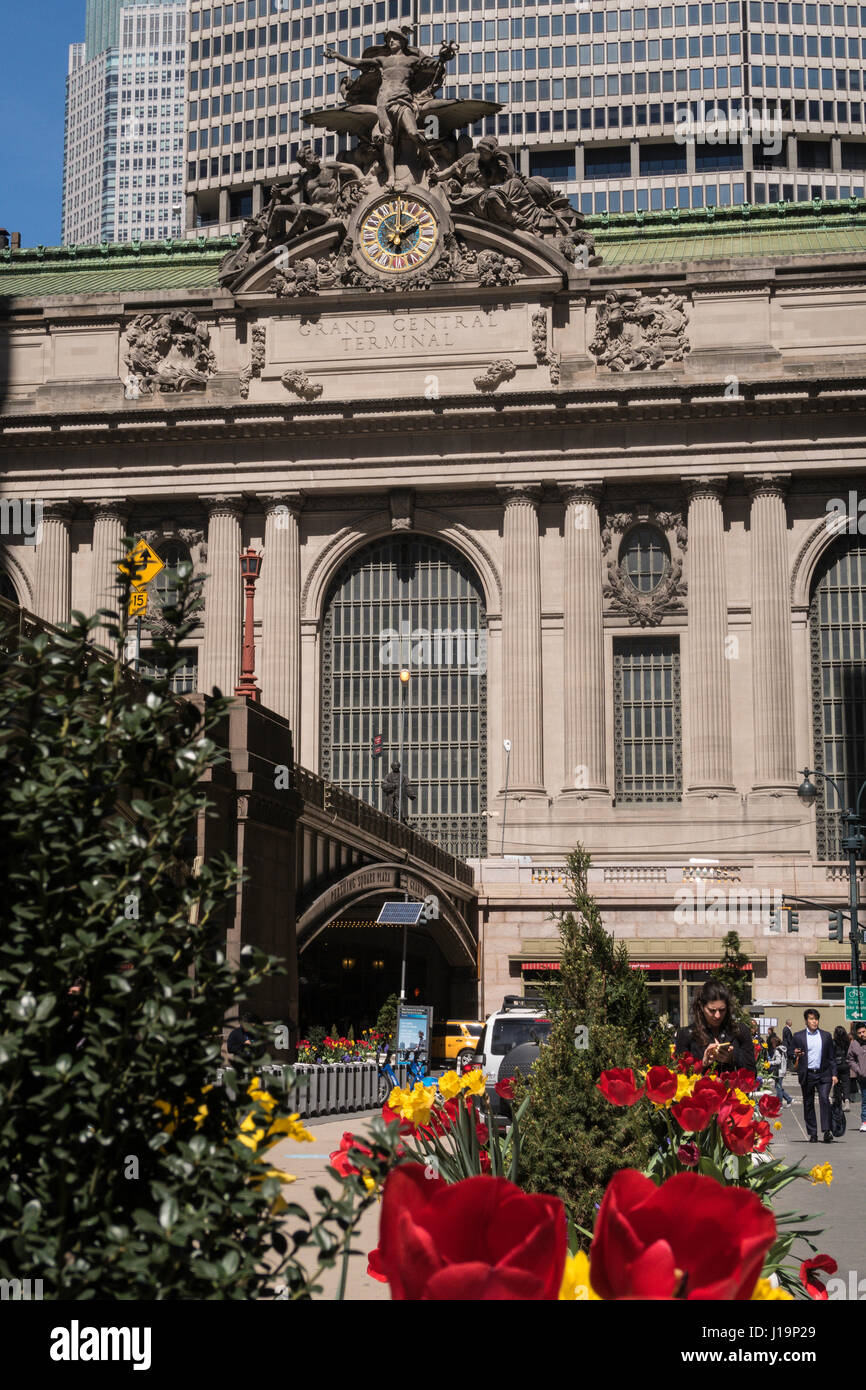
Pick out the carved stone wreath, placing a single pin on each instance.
(255, 366)
(298, 382)
(458, 262)
(644, 610)
(495, 374)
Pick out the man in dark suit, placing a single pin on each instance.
(788, 1038)
(815, 1057)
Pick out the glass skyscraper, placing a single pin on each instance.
(595, 95)
(123, 158)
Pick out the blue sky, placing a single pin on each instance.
(36, 35)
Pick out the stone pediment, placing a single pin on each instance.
(324, 262)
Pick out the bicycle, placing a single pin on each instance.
(387, 1076)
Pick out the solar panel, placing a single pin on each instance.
(400, 914)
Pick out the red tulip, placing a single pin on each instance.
(686, 1061)
(737, 1141)
(710, 1093)
(769, 1106)
(374, 1268)
(480, 1239)
(742, 1080)
(661, 1085)
(643, 1247)
(689, 1155)
(812, 1285)
(763, 1135)
(692, 1114)
(505, 1088)
(618, 1086)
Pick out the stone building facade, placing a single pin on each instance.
(644, 475)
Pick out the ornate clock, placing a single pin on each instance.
(397, 234)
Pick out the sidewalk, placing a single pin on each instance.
(309, 1163)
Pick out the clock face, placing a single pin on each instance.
(398, 234)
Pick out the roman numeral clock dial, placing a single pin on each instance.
(398, 234)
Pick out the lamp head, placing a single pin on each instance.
(251, 564)
(807, 791)
(404, 677)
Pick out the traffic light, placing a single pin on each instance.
(836, 926)
(377, 746)
(775, 919)
(793, 919)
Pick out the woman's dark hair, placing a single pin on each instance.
(841, 1037)
(773, 1039)
(711, 990)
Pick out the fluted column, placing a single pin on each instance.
(221, 657)
(280, 587)
(709, 674)
(521, 638)
(583, 642)
(53, 596)
(109, 528)
(772, 666)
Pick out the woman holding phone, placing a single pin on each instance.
(714, 1038)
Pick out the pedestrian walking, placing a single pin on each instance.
(788, 1038)
(857, 1064)
(778, 1056)
(841, 1042)
(815, 1056)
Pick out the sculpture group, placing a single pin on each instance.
(407, 137)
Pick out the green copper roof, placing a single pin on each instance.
(640, 239)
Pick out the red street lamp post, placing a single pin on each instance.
(251, 568)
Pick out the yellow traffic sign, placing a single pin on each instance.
(146, 563)
(137, 603)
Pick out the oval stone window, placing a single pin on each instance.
(644, 558)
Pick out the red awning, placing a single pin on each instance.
(835, 965)
(645, 965)
(539, 965)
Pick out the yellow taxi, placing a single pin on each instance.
(452, 1038)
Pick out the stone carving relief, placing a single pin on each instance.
(539, 346)
(495, 374)
(621, 596)
(301, 385)
(255, 366)
(169, 352)
(402, 505)
(408, 141)
(635, 332)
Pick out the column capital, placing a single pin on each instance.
(279, 502)
(60, 510)
(767, 484)
(705, 485)
(109, 507)
(519, 494)
(222, 504)
(587, 490)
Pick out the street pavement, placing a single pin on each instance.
(838, 1209)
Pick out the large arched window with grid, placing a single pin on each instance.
(416, 603)
(838, 642)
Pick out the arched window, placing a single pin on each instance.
(7, 588)
(838, 642)
(416, 603)
(644, 558)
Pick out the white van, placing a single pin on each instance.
(510, 1026)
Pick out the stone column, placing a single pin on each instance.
(583, 695)
(110, 519)
(221, 656)
(709, 689)
(280, 587)
(772, 666)
(53, 590)
(521, 639)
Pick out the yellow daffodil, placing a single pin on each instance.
(200, 1116)
(473, 1082)
(777, 1124)
(575, 1280)
(767, 1292)
(278, 1173)
(291, 1126)
(685, 1086)
(822, 1172)
(744, 1099)
(450, 1085)
(414, 1105)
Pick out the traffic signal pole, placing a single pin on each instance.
(853, 844)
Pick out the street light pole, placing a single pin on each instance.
(506, 744)
(852, 843)
(404, 692)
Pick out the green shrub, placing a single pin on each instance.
(386, 1023)
(573, 1139)
(123, 1177)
